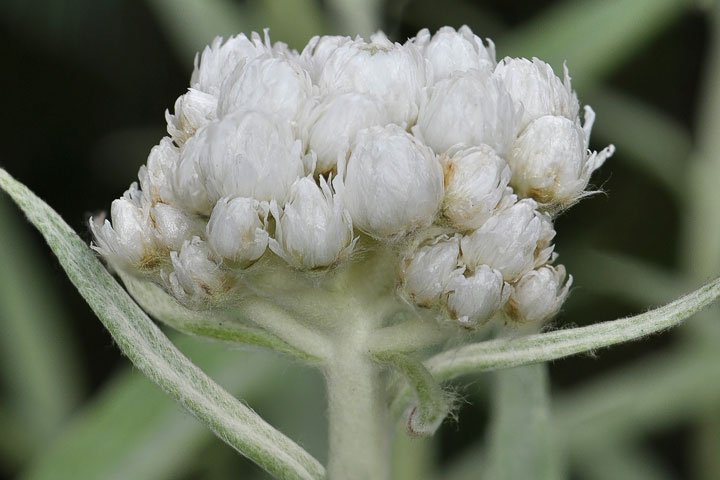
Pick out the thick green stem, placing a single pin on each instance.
(360, 427)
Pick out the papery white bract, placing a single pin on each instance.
(470, 108)
(314, 229)
(235, 232)
(536, 90)
(266, 83)
(173, 226)
(334, 122)
(393, 183)
(476, 179)
(474, 299)
(249, 154)
(506, 242)
(195, 278)
(427, 271)
(430, 152)
(550, 160)
(450, 51)
(393, 72)
(539, 295)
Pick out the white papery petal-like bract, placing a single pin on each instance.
(267, 83)
(545, 250)
(314, 229)
(538, 295)
(318, 50)
(249, 154)
(393, 183)
(396, 73)
(473, 300)
(188, 181)
(235, 231)
(476, 179)
(156, 177)
(335, 121)
(173, 226)
(193, 110)
(550, 161)
(534, 86)
(451, 51)
(469, 108)
(129, 241)
(220, 58)
(195, 277)
(426, 273)
(506, 242)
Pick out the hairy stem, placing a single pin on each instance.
(360, 429)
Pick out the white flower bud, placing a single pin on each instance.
(473, 300)
(506, 241)
(544, 252)
(538, 295)
(471, 108)
(452, 51)
(235, 231)
(129, 241)
(219, 59)
(427, 272)
(394, 73)
(268, 84)
(334, 123)
(193, 110)
(195, 277)
(173, 226)
(188, 181)
(550, 162)
(314, 229)
(476, 179)
(318, 50)
(156, 177)
(534, 86)
(249, 154)
(393, 184)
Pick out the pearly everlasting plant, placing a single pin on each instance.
(359, 206)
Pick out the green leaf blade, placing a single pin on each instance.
(512, 352)
(150, 350)
(521, 440)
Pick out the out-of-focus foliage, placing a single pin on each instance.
(85, 87)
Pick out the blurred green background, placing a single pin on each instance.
(84, 86)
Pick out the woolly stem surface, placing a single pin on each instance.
(360, 426)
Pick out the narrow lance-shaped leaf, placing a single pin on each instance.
(432, 404)
(156, 440)
(151, 351)
(512, 352)
(521, 440)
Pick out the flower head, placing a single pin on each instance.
(428, 155)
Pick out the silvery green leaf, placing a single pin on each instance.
(151, 351)
(521, 441)
(522, 350)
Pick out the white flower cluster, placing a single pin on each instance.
(299, 156)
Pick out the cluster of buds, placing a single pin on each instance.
(430, 148)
